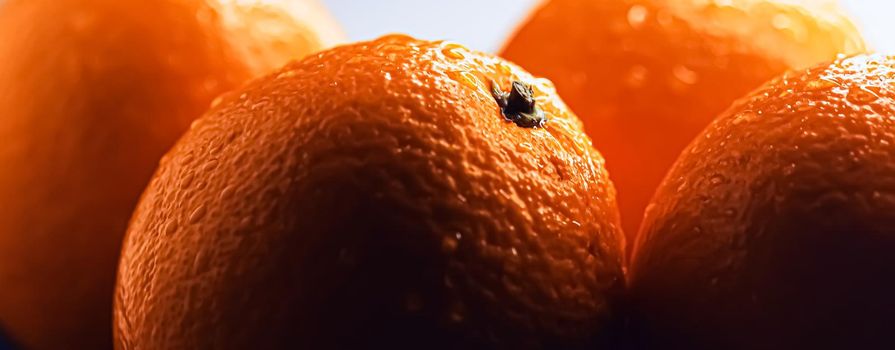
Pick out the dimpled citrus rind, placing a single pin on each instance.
(375, 194)
(774, 228)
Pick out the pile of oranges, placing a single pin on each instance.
(207, 174)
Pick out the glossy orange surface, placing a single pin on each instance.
(774, 230)
(374, 196)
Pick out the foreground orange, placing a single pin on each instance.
(92, 93)
(394, 194)
(776, 227)
(646, 76)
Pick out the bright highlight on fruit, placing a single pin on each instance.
(646, 76)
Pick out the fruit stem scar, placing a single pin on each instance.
(518, 105)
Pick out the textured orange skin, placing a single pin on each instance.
(646, 76)
(373, 196)
(92, 93)
(775, 229)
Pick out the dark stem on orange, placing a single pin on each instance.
(519, 105)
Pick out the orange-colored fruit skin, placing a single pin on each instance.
(92, 93)
(775, 229)
(373, 196)
(646, 76)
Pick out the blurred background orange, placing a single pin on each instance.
(466, 22)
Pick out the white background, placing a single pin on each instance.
(485, 24)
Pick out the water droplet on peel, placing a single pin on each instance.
(171, 227)
(467, 79)
(227, 192)
(804, 106)
(744, 117)
(210, 165)
(820, 84)
(197, 214)
(454, 51)
(637, 15)
(187, 180)
(861, 96)
(286, 74)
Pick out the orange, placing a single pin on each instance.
(92, 93)
(646, 76)
(377, 195)
(775, 229)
